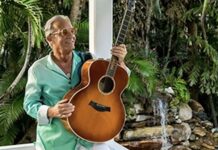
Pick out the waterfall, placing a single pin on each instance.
(160, 108)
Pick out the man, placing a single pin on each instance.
(48, 81)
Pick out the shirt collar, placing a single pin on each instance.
(53, 66)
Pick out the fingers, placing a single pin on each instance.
(63, 101)
(64, 109)
(119, 51)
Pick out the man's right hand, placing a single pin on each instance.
(61, 110)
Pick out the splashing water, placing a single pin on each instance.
(160, 109)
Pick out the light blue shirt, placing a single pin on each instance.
(46, 85)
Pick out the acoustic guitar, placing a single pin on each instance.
(99, 112)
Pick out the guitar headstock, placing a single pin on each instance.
(131, 5)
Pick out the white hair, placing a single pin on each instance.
(48, 29)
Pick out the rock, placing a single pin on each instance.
(138, 108)
(195, 145)
(201, 115)
(142, 145)
(181, 132)
(208, 146)
(214, 130)
(186, 143)
(180, 147)
(207, 124)
(185, 112)
(178, 121)
(142, 117)
(145, 132)
(216, 140)
(169, 90)
(196, 106)
(215, 135)
(199, 131)
(192, 137)
(208, 140)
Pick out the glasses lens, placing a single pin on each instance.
(73, 31)
(64, 32)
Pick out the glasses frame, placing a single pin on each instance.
(65, 31)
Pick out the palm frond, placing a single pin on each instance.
(194, 74)
(146, 68)
(82, 34)
(136, 86)
(10, 112)
(24, 10)
(9, 137)
(67, 3)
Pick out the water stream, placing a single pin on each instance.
(160, 108)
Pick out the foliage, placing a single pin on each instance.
(82, 35)
(10, 113)
(12, 25)
(143, 78)
(179, 87)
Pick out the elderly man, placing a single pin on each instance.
(48, 81)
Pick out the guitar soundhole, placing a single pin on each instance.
(106, 84)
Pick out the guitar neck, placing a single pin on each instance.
(124, 27)
(120, 40)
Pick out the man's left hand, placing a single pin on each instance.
(119, 51)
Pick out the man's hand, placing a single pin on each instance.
(61, 110)
(119, 51)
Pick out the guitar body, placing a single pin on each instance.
(99, 113)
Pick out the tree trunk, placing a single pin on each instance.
(21, 73)
(148, 22)
(203, 19)
(75, 12)
(213, 111)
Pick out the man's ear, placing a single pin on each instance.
(49, 38)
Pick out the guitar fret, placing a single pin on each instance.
(124, 27)
(120, 41)
(126, 22)
(123, 31)
(121, 37)
(127, 17)
(122, 34)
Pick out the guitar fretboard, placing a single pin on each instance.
(120, 39)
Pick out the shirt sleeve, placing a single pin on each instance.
(128, 71)
(32, 103)
(42, 116)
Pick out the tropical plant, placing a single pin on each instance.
(19, 22)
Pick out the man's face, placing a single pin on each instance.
(63, 37)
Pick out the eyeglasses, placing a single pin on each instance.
(65, 31)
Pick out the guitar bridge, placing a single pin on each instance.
(99, 107)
